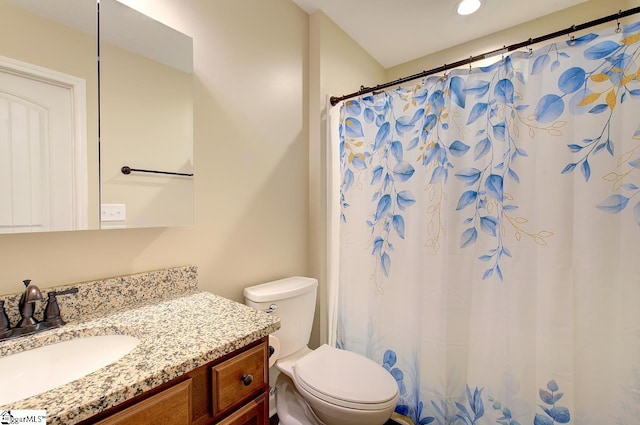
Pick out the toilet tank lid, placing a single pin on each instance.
(280, 289)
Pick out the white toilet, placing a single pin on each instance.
(326, 386)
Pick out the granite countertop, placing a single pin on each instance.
(176, 337)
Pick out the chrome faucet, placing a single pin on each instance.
(28, 324)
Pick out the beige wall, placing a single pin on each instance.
(336, 65)
(251, 186)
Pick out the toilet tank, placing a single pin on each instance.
(293, 300)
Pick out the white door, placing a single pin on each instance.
(43, 175)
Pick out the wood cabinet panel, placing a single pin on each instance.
(169, 407)
(242, 376)
(252, 413)
(219, 392)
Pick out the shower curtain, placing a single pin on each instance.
(487, 236)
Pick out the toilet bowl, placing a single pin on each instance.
(325, 386)
(345, 388)
(293, 409)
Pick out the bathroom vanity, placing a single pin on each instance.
(231, 391)
(201, 358)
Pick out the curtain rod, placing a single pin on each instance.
(364, 90)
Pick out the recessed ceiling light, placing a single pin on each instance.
(467, 7)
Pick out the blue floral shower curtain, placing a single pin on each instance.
(489, 236)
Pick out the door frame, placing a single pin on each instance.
(77, 88)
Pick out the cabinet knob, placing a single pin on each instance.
(247, 379)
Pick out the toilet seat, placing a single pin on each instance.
(345, 379)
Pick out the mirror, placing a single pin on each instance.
(48, 116)
(54, 164)
(149, 66)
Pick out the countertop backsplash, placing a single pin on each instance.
(99, 298)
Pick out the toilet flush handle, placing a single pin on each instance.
(272, 309)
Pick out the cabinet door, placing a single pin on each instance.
(252, 413)
(170, 407)
(239, 378)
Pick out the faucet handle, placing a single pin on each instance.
(52, 310)
(65, 292)
(4, 320)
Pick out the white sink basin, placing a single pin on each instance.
(33, 372)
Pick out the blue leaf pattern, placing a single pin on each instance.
(458, 94)
(614, 204)
(601, 50)
(411, 128)
(467, 198)
(585, 39)
(469, 236)
(458, 148)
(462, 157)
(383, 206)
(398, 225)
(571, 80)
(482, 148)
(540, 63)
(353, 128)
(479, 109)
(494, 187)
(549, 108)
(405, 199)
(382, 136)
(403, 171)
(472, 409)
(478, 88)
(469, 176)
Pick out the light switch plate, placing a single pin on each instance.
(113, 212)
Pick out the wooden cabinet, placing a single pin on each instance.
(237, 379)
(169, 407)
(252, 413)
(232, 390)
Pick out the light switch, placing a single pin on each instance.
(113, 212)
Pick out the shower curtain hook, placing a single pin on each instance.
(572, 38)
(529, 47)
(618, 29)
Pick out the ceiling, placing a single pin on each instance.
(397, 31)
